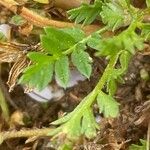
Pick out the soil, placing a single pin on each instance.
(115, 134)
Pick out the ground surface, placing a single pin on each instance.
(116, 134)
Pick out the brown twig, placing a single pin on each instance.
(40, 21)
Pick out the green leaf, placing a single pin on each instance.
(92, 11)
(114, 16)
(62, 71)
(139, 147)
(82, 60)
(148, 3)
(40, 73)
(107, 105)
(89, 125)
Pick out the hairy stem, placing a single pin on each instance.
(89, 99)
(24, 133)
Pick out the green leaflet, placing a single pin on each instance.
(40, 73)
(142, 146)
(89, 125)
(82, 60)
(107, 105)
(62, 71)
(50, 45)
(127, 40)
(92, 11)
(57, 40)
(114, 16)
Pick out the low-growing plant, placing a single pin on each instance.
(129, 31)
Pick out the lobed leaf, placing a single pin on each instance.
(107, 105)
(92, 11)
(114, 15)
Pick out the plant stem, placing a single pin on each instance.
(89, 99)
(24, 133)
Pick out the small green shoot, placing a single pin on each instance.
(70, 45)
